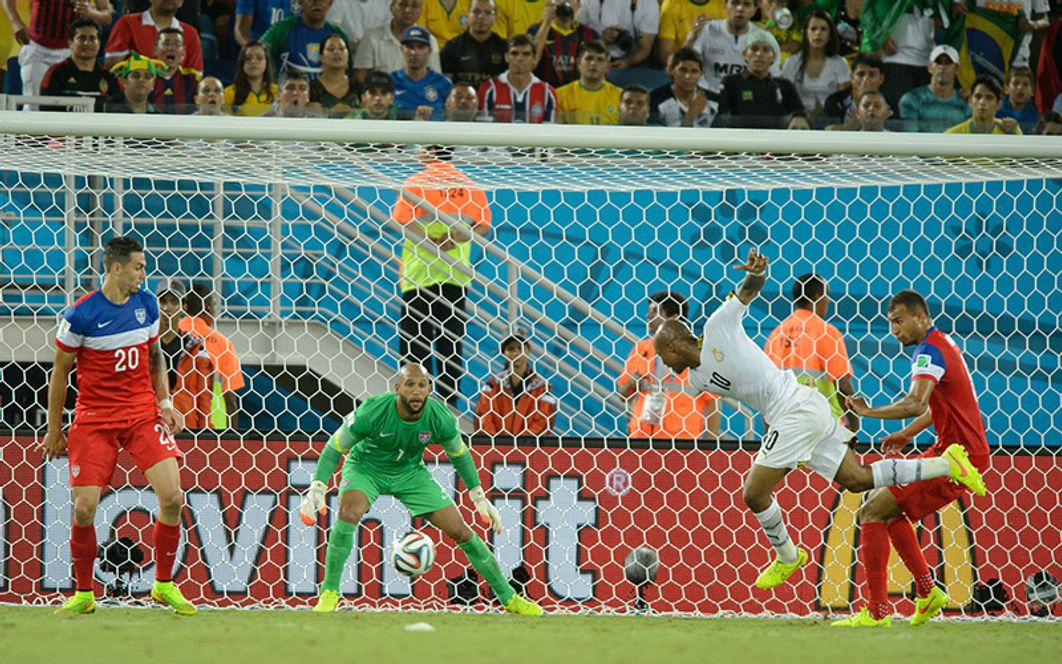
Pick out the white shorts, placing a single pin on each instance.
(806, 434)
(34, 61)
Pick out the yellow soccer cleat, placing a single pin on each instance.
(81, 604)
(962, 471)
(327, 602)
(164, 592)
(522, 607)
(862, 619)
(929, 606)
(777, 572)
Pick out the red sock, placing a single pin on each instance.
(905, 542)
(166, 540)
(83, 552)
(874, 547)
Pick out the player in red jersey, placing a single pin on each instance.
(941, 394)
(123, 401)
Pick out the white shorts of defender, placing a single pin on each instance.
(806, 434)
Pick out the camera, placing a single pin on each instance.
(564, 10)
(624, 41)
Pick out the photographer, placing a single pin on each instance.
(628, 28)
(557, 41)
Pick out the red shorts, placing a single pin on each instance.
(919, 499)
(93, 448)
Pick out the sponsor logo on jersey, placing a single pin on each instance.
(718, 355)
(103, 325)
(75, 470)
(431, 94)
(141, 315)
(922, 361)
(424, 437)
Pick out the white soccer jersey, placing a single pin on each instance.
(723, 53)
(732, 365)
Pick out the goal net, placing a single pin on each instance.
(290, 225)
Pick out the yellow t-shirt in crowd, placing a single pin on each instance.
(577, 104)
(967, 127)
(255, 104)
(445, 25)
(677, 16)
(514, 17)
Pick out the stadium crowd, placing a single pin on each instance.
(868, 65)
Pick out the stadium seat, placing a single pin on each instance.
(649, 78)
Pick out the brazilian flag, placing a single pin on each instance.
(987, 41)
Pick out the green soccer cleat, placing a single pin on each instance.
(327, 602)
(862, 619)
(164, 592)
(81, 604)
(777, 572)
(929, 606)
(962, 471)
(522, 607)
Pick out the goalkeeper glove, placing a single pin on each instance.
(488, 513)
(313, 502)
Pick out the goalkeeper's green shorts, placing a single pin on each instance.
(416, 488)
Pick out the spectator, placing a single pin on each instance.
(591, 99)
(1035, 20)
(986, 98)
(137, 74)
(872, 112)
(1050, 124)
(1018, 103)
(777, 19)
(905, 52)
(189, 12)
(937, 106)
(417, 85)
(433, 291)
(357, 17)
(812, 349)
(335, 92)
(199, 308)
(798, 120)
(817, 70)
(677, 21)
(868, 73)
(293, 98)
(663, 406)
(381, 48)
(296, 41)
(80, 75)
(255, 17)
(627, 28)
(45, 41)
(462, 104)
(515, 401)
(558, 39)
(754, 98)
(517, 95)
(721, 43)
(191, 371)
(255, 88)
(443, 22)
(515, 17)
(138, 32)
(477, 53)
(634, 106)
(377, 99)
(175, 86)
(210, 97)
(683, 103)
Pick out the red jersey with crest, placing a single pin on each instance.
(956, 415)
(111, 342)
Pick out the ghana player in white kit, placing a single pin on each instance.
(801, 431)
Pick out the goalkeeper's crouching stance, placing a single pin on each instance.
(384, 440)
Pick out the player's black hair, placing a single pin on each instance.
(592, 46)
(519, 40)
(634, 87)
(990, 82)
(1024, 72)
(807, 289)
(292, 74)
(671, 304)
(911, 300)
(872, 60)
(81, 22)
(872, 93)
(119, 249)
(195, 300)
(168, 31)
(510, 340)
(685, 54)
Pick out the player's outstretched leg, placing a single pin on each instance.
(758, 497)
(962, 471)
(340, 544)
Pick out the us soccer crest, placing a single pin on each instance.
(141, 315)
(424, 437)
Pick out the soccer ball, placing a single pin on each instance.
(413, 554)
(641, 566)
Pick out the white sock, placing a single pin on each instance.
(889, 472)
(774, 526)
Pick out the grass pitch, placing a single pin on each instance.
(155, 636)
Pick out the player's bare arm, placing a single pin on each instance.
(160, 382)
(755, 269)
(54, 442)
(914, 404)
(894, 442)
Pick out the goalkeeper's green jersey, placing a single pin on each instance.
(381, 440)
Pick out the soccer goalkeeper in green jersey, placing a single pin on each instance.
(384, 440)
